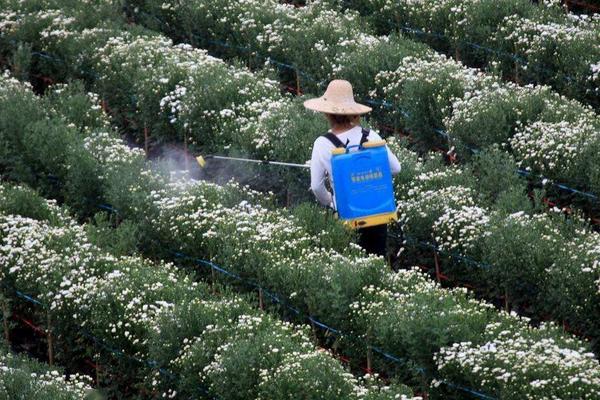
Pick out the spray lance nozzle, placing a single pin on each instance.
(202, 160)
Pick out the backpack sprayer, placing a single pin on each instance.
(362, 179)
(364, 193)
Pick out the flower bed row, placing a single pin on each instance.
(531, 43)
(187, 342)
(295, 257)
(432, 92)
(23, 378)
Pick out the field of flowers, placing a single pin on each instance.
(527, 42)
(430, 93)
(246, 111)
(152, 311)
(437, 99)
(405, 314)
(122, 298)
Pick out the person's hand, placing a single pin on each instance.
(332, 209)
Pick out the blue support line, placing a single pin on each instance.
(29, 299)
(564, 187)
(108, 208)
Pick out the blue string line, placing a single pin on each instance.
(43, 54)
(276, 299)
(29, 298)
(120, 354)
(524, 172)
(108, 208)
(397, 360)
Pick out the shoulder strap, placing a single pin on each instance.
(365, 136)
(334, 139)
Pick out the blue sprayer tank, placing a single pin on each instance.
(362, 180)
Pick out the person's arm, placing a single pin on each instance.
(395, 166)
(318, 174)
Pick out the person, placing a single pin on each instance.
(343, 114)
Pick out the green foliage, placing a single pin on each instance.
(21, 62)
(362, 65)
(21, 200)
(120, 239)
(508, 248)
(77, 107)
(187, 320)
(495, 173)
(322, 224)
(387, 315)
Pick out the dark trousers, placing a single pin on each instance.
(373, 239)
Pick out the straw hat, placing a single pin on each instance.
(338, 99)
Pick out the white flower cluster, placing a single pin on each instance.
(547, 133)
(35, 254)
(525, 367)
(49, 206)
(478, 105)
(19, 376)
(422, 204)
(538, 40)
(166, 65)
(433, 82)
(32, 252)
(595, 68)
(460, 229)
(94, 113)
(111, 152)
(9, 85)
(556, 148)
(435, 70)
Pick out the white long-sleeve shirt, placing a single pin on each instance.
(320, 163)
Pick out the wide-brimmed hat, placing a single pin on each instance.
(338, 99)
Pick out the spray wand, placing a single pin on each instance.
(202, 161)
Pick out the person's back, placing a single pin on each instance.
(343, 114)
(320, 163)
